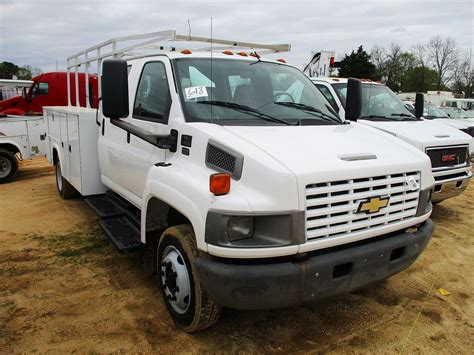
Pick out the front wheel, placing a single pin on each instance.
(65, 189)
(8, 166)
(188, 304)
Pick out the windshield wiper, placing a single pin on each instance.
(405, 115)
(377, 116)
(312, 110)
(402, 115)
(246, 109)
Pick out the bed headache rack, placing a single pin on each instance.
(148, 44)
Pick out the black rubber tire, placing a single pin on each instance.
(65, 189)
(203, 311)
(5, 154)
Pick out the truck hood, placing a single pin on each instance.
(327, 153)
(458, 123)
(13, 105)
(422, 134)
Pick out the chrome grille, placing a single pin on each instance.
(331, 208)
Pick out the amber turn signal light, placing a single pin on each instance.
(219, 184)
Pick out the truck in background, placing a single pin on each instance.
(432, 96)
(243, 188)
(21, 138)
(12, 87)
(444, 116)
(50, 89)
(321, 64)
(447, 148)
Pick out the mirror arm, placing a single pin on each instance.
(165, 141)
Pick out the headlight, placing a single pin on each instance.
(255, 230)
(240, 228)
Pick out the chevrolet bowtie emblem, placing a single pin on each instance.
(373, 204)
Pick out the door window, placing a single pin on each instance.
(39, 89)
(153, 100)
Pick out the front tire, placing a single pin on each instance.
(188, 304)
(65, 189)
(8, 166)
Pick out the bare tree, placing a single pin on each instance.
(392, 62)
(420, 52)
(462, 76)
(443, 54)
(377, 55)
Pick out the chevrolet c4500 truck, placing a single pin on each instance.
(241, 185)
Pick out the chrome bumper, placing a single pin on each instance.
(450, 183)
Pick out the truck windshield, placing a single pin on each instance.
(431, 112)
(243, 92)
(453, 112)
(379, 103)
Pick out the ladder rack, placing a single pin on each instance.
(148, 44)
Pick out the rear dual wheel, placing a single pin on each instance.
(8, 166)
(188, 304)
(65, 189)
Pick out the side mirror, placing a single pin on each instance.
(353, 99)
(24, 94)
(419, 105)
(115, 88)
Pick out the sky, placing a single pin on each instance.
(43, 33)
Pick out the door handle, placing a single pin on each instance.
(69, 147)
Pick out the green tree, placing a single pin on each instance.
(24, 73)
(357, 65)
(8, 70)
(420, 79)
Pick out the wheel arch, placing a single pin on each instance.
(159, 215)
(11, 147)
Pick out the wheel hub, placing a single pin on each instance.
(5, 167)
(175, 279)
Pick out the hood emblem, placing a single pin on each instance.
(373, 204)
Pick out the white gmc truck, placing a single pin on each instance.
(242, 186)
(448, 148)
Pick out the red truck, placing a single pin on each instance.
(50, 89)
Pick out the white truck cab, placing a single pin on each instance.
(239, 183)
(382, 109)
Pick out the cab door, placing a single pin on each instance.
(150, 109)
(125, 159)
(39, 96)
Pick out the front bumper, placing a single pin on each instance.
(242, 285)
(450, 183)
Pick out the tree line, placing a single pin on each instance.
(10, 70)
(438, 64)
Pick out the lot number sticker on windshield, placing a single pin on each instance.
(412, 183)
(195, 91)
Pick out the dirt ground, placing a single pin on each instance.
(64, 288)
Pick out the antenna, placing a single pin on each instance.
(210, 89)
(189, 29)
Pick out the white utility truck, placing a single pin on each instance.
(443, 116)
(240, 185)
(21, 137)
(447, 148)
